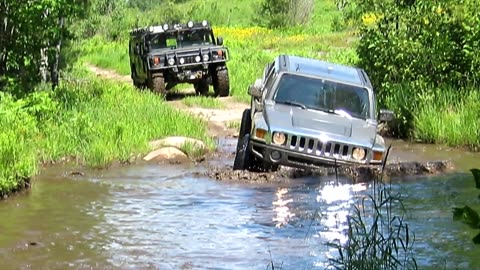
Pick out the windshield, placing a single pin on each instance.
(180, 39)
(320, 94)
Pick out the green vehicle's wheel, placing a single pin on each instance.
(221, 82)
(158, 85)
(201, 88)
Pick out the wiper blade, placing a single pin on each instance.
(293, 103)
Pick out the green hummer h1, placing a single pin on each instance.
(163, 56)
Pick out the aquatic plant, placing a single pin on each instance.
(378, 236)
(468, 215)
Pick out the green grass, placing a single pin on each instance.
(109, 55)
(203, 102)
(450, 117)
(91, 120)
(234, 125)
(17, 149)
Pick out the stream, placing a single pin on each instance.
(150, 216)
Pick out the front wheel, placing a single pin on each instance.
(243, 156)
(201, 88)
(245, 125)
(221, 82)
(158, 85)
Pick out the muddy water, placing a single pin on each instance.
(171, 217)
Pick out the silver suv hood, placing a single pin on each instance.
(312, 122)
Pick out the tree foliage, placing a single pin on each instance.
(413, 49)
(283, 13)
(31, 32)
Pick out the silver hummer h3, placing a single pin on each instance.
(306, 112)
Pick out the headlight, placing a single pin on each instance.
(165, 27)
(206, 58)
(279, 138)
(171, 61)
(358, 153)
(190, 24)
(198, 58)
(204, 23)
(181, 61)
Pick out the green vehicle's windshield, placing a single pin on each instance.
(324, 95)
(180, 39)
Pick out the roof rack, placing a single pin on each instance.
(170, 28)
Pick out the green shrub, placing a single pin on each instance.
(431, 41)
(17, 152)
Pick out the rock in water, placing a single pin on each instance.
(178, 142)
(167, 154)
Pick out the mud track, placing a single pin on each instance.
(356, 174)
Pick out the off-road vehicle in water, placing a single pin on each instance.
(308, 113)
(163, 56)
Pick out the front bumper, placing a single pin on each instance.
(296, 159)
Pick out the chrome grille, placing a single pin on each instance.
(314, 146)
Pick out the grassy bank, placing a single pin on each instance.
(89, 120)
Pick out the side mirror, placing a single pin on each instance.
(219, 41)
(386, 115)
(255, 90)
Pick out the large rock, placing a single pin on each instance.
(167, 154)
(178, 142)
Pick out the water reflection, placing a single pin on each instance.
(280, 207)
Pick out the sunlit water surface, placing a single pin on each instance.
(169, 217)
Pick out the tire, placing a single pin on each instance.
(201, 88)
(243, 156)
(221, 82)
(245, 126)
(158, 85)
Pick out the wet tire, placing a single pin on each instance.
(221, 82)
(201, 88)
(245, 126)
(158, 85)
(243, 156)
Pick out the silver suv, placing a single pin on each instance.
(306, 113)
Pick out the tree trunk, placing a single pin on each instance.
(54, 69)
(43, 64)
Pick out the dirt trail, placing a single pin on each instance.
(218, 119)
